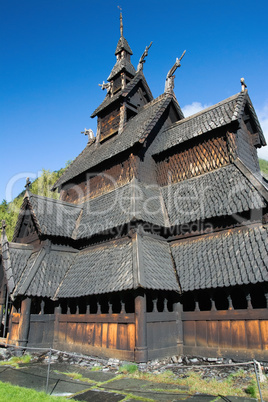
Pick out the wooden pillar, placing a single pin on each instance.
(57, 313)
(24, 324)
(178, 308)
(2, 303)
(141, 349)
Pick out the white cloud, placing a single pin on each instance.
(263, 118)
(193, 108)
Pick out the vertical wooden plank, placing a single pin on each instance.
(62, 331)
(201, 333)
(104, 335)
(89, 336)
(112, 336)
(189, 333)
(213, 334)
(225, 338)
(253, 334)
(71, 332)
(131, 336)
(122, 336)
(239, 338)
(98, 340)
(79, 333)
(264, 333)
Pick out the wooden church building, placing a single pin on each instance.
(158, 245)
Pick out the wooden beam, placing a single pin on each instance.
(141, 349)
(24, 324)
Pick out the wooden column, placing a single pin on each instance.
(141, 350)
(2, 303)
(24, 324)
(178, 308)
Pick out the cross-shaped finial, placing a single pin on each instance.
(28, 182)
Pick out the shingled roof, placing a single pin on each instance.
(109, 100)
(237, 257)
(44, 271)
(52, 217)
(224, 191)
(218, 115)
(122, 65)
(136, 130)
(117, 271)
(133, 201)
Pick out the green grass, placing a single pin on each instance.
(15, 361)
(96, 368)
(128, 368)
(264, 167)
(13, 393)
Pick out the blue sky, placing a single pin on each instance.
(55, 52)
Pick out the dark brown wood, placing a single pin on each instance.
(24, 324)
(141, 349)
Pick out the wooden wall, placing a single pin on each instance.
(237, 334)
(103, 335)
(198, 159)
(110, 123)
(163, 338)
(229, 333)
(97, 184)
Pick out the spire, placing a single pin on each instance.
(123, 53)
(121, 25)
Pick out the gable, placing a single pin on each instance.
(28, 231)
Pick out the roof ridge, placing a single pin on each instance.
(203, 111)
(61, 202)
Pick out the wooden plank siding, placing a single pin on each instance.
(230, 333)
(103, 335)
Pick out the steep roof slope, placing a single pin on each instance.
(218, 115)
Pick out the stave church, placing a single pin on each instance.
(158, 245)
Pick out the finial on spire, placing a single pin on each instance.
(121, 22)
(243, 84)
(169, 86)
(142, 59)
(28, 182)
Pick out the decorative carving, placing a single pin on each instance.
(28, 183)
(106, 85)
(89, 133)
(169, 86)
(243, 84)
(142, 59)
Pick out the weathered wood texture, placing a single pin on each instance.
(104, 334)
(240, 333)
(110, 123)
(162, 335)
(98, 184)
(196, 160)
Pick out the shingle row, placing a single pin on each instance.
(208, 119)
(237, 257)
(224, 191)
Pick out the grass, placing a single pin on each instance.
(16, 360)
(128, 368)
(96, 368)
(13, 393)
